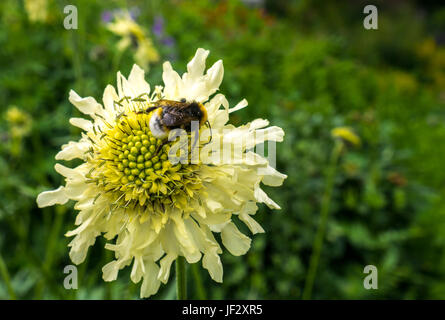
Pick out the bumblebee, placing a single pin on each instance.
(169, 114)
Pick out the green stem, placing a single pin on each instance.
(325, 206)
(200, 291)
(51, 247)
(109, 285)
(181, 279)
(5, 275)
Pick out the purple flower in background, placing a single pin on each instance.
(159, 32)
(107, 16)
(168, 41)
(158, 26)
(134, 12)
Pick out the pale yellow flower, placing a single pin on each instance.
(19, 121)
(134, 34)
(155, 210)
(37, 10)
(347, 135)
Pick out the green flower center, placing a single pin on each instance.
(141, 155)
(133, 166)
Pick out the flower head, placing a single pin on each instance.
(347, 135)
(163, 37)
(158, 26)
(19, 121)
(37, 10)
(107, 16)
(134, 35)
(129, 190)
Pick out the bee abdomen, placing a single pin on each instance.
(156, 126)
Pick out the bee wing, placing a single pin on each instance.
(174, 113)
(174, 117)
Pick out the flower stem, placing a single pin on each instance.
(325, 206)
(181, 279)
(5, 275)
(51, 247)
(200, 291)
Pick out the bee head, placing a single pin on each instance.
(198, 111)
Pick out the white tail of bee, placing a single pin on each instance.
(157, 128)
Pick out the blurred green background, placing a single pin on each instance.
(309, 67)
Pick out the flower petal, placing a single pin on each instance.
(212, 262)
(73, 150)
(215, 76)
(236, 242)
(196, 66)
(261, 196)
(109, 97)
(137, 81)
(110, 271)
(172, 82)
(86, 105)
(84, 124)
(138, 269)
(242, 104)
(166, 263)
(271, 176)
(50, 198)
(151, 284)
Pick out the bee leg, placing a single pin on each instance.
(147, 111)
(211, 134)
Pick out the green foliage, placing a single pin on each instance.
(306, 69)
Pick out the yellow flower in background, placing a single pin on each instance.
(434, 59)
(426, 48)
(403, 81)
(133, 34)
(19, 121)
(346, 134)
(37, 10)
(128, 190)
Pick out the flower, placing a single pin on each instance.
(107, 16)
(128, 190)
(163, 38)
(134, 34)
(37, 10)
(347, 135)
(19, 121)
(158, 26)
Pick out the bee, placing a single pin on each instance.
(169, 114)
